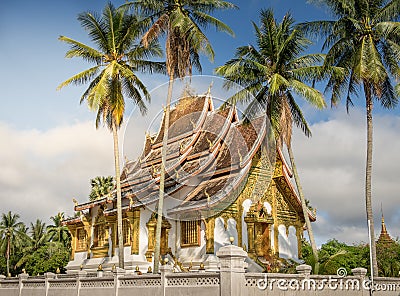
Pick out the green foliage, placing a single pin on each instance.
(334, 255)
(117, 57)
(388, 257)
(38, 249)
(48, 258)
(273, 71)
(58, 232)
(101, 186)
(12, 236)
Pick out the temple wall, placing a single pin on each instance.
(223, 231)
(188, 254)
(287, 242)
(231, 279)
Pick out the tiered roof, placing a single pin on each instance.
(209, 156)
(384, 237)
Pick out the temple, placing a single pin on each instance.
(384, 236)
(224, 183)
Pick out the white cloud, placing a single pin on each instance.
(331, 165)
(42, 170)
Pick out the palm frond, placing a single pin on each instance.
(311, 95)
(81, 50)
(81, 78)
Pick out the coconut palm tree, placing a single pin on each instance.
(58, 232)
(364, 39)
(11, 234)
(271, 74)
(182, 22)
(113, 77)
(38, 238)
(101, 186)
(38, 234)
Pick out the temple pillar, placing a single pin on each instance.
(249, 219)
(276, 239)
(111, 220)
(239, 226)
(210, 226)
(72, 230)
(151, 227)
(88, 228)
(135, 230)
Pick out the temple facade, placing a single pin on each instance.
(225, 183)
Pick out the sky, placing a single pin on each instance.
(50, 148)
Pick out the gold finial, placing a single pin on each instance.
(114, 268)
(137, 268)
(154, 171)
(23, 270)
(201, 266)
(231, 239)
(75, 202)
(193, 123)
(81, 267)
(182, 147)
(209, 89)
(149, 270)
(131, 202)
(57, 270)
(207, 195)
(109, 196)
(209, 143)
(100, 268)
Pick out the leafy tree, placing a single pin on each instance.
(101, 186)
(364, 41)
(48, 258)
(58, 232)
(113, 77)
(12, 235)
(182, 22)
(38, 234)
(388, 257)
(334, 255)
(38, 238)
(272, 73)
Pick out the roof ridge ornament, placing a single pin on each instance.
(209, 89)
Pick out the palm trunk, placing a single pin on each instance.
(305, 209)
(8, 256)
(162, 177)
(368, 174)
(119, 198)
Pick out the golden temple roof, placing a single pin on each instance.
(384, 237)
(209, 156)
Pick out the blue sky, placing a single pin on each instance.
(50, 148)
